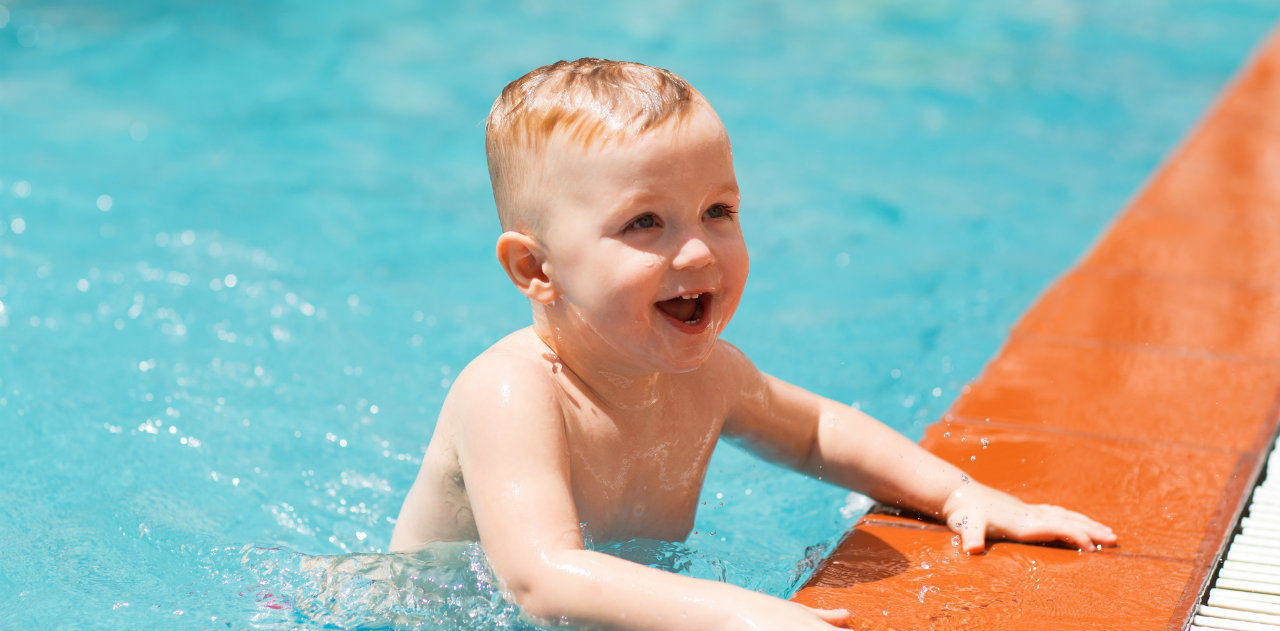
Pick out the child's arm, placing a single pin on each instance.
(515, 462)
(841, 445)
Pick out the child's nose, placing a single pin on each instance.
(693, 253)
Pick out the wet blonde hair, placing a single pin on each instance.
(589, 101)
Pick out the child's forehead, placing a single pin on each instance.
(657, 167)
(629, 162)
(699, 125)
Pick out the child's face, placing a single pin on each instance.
(643, 240)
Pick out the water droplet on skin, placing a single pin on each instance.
(985, 443)
(946, 434)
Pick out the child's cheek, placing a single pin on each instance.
(633, 280)
(737, 267)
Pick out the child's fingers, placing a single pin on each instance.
(1078, 538)
(832, 616)
(1071, 531)
(1081, 517)
(1012, 519)
(1097, 532)
(1102, 534)
(973, 533)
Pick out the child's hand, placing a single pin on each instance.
(976, 511)
(769, 614)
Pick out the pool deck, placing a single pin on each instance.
(1142, 388)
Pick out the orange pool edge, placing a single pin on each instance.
(1142, 388)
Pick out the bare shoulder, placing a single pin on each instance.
(512, 380)
(516, 366)
(729, 370)
(499, 405)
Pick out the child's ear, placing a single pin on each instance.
(526, 264)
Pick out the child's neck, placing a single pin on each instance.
(606, 382)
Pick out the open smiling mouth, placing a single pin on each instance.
(687, 312)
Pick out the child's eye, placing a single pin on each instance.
(721, 211)
(643, 222)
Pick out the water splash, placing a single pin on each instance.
(447, 587)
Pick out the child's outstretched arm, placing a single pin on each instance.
(515, 461)
(841, 445)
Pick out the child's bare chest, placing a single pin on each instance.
(639, 475)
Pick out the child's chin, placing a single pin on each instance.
(690, 361)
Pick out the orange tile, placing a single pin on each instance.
(909, 579)
(1174, 245)
(1255, 96)
(1124, 393)
(1136, 310)
(1159, 499)
(1225, 172)
(1227, 169)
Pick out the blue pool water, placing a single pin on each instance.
(245, 246)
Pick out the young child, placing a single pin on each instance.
(615, 188)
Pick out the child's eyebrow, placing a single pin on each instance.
(632, 199)
(730, 189)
